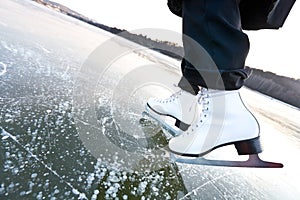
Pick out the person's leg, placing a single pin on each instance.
(216, 26)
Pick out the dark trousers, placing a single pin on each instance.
(215, 26)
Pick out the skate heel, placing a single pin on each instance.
(248, 147)
(181, 125)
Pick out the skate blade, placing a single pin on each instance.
(253, 162)
(170, 129)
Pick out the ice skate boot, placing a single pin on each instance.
(182, 106)
(224, 120)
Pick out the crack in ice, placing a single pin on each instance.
(5, 135)
(206, 183)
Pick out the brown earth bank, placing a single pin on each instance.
(279, 87)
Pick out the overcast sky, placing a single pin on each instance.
(271, 50)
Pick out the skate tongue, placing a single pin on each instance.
(253, 162)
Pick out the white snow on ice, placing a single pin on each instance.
(3, 69)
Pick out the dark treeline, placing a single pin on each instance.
(279, 87)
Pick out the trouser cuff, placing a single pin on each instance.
(188, 86)
(219, 80)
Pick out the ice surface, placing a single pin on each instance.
(43, 155)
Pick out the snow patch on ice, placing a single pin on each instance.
(34, 175)
(3, 68)
(5, 135)
(2, 189)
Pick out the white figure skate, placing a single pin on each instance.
(224, 120)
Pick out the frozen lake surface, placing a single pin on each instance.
(69, 120)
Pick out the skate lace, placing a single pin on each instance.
(204, 101)
(173, 97)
